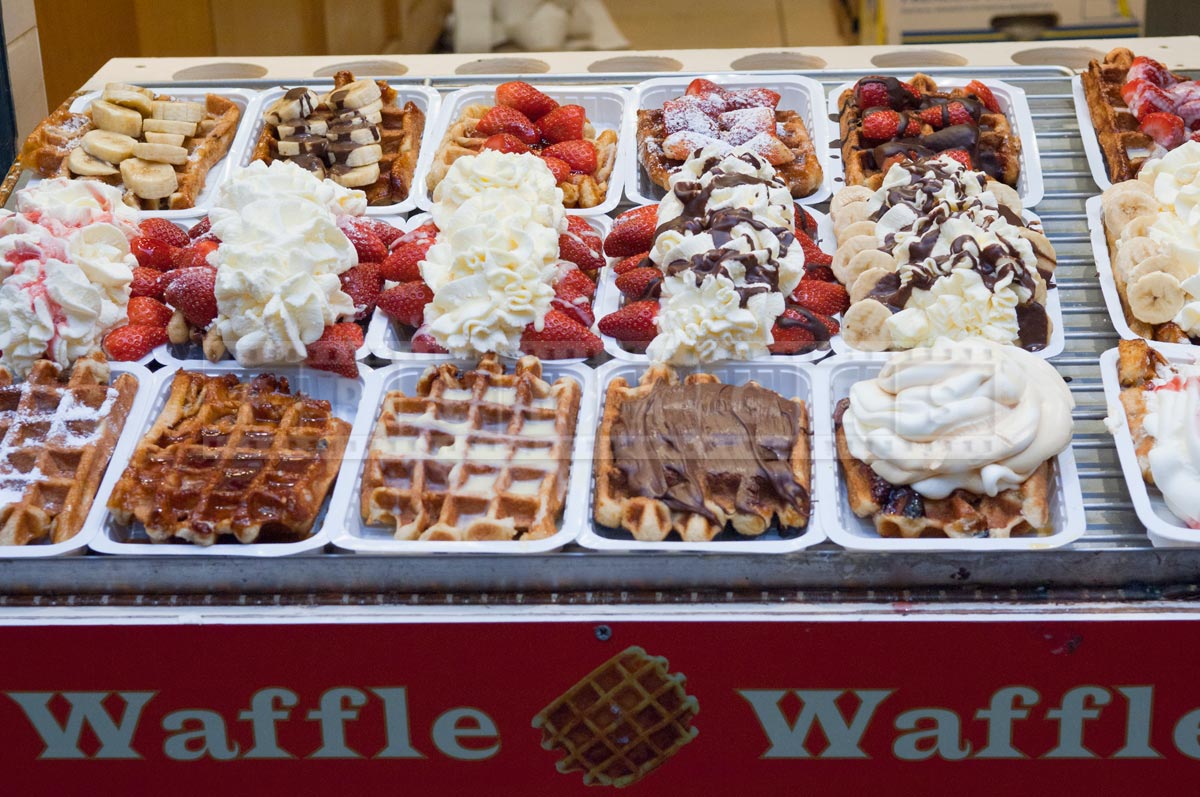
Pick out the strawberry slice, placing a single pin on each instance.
(525, 98)
(502, 119)
(632, 262)
(192, 292)
(558, 167)
(564, 123)
(581, 313)
(560, 337)
(580, 245)
(505, 142)
(826, 298)
(144, 311)
(154, 253)
(366, 243)
(984, 95)
(640, 283)
(165, 231)
(133, 342)
(579, 155)
(362, 284)
(633, 323)
(147, 282)
(406, 302)
(632, 232)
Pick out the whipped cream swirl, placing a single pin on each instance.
(1172, 409)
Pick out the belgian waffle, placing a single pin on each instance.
(624, 719)
(991, 141)
(483, 455)
(579, 190)
(249, 459)
(56, 437)
(1125, 147)
(1138, 366)
(898, 511)
(716, 464)
(400, 132)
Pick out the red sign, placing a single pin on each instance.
(664, 708)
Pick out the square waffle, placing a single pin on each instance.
(621, 721)
(991, 141)
(400, 139)
(47, 148)
(579, 190)
(483, 455)
(899, 511)
(711, 467)
(56, 437)
(249, 459)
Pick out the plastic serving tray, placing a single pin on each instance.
(343, 394)
(834, 379)
(801, 94)
(1012, 102)
(605, 106)
(345, 513)
(789, 382)
(425, 98)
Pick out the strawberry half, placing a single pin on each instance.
(1165, 128)
(580, 245)
(505, 142)
(370, 249)
(525, 98)
(790, 332)
(564, 123)
(703, 86)
(872, 92)
(633, 323)
(195, 255)
(960, 155)
(826, 298)
(362, 284)
(133, 342)
(383, 231)
(575, 284)
(153, 253)
(334, 352)
(630, 263)
(558, 167)
(640, 283)
(984, 95)
(147, 282)
(424, 343)
(200, 229)
(406, 302)
(144, 311)
(632, 232)
(579, 155)
(403, 264)
(165, 231)
(813, 254)
(192, 293)
(560, 337)
(502, 119)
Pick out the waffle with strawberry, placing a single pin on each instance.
(708, 115)
(883, 120)
(524, 119)
(1140, 110)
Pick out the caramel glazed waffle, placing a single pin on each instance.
(56, 437)
(356, 135)
(692, 457)
(225, 457)
(482, 455)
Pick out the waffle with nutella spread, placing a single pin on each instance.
(708, 115)
(940, 250)
(357, 134)
(696, 455)
(883, 118)
(482, 455)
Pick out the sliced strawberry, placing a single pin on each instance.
(960, 155)
(505, 142)
(1165, 128)
(791, 333)
(370, 249)
(580, 245)
(633, 323)
(403, 264)
(640, 283)
(502, 119)
(200, 229)
(818, 273)
(165, 231)
(579, 155)
(147, 282)
(192, 292)
(333, 353)
(525, 98)
(383, 231)
(632, 232)
(751, 98)
(362, 284)
(564, 123)
(194, 256)
(1144, 97)
(984, 95)
(632, 262)
(133, 342)
(153, 253)
(827, 298)
(561, 336)
(1153, 71)
(813, 254)
(558, 167)
(575, 284)
(144, 311)
(704, 86)
(406, 302)
(424, 343)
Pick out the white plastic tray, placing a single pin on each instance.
(834, 378)
(609, 300)
(243, 98)
(1163, 527)
(388, 340)
(1014, 105)
(77, 544)
(1058, 333)
(796, 93)
(1087, 134)
(605, 106)
(789, 382)
(355, 535)
(425, 98)
(108, 537)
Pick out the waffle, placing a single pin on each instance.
(483, 455)
(400, 133)
(709, 467)
(898, 511)
(56, 437)
(803, 175)
(1137, 366)
(579, 190)
(623, 720)
(46, 149)
(1124, 146)
(993, 145)
(225, 457)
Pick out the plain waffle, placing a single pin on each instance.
(56, 437)
(739, 456)
(624, 719)
(482, 455)
(1124, 146)
(248, 459)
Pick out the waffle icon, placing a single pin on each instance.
(624, 719)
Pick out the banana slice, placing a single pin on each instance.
(1043, 250)
(1132, 252)
(108, 146)
(358, 135)
(1126, 206)
(173, 139)
(149, 180)
(316, 127)
(148, 93)
(1168, 265)
(1006, 195)
(161, 153)
(1155, 298)
(178, 331)
(116, 118)
(1138, 228)
(302, 145)
(849, 215)
(849, 195)
(1117, 189)
(128, 99)
(353, 155)
(177, 111)
(372, 109)
(356, 177)
(358, 94)
(866, 282)
(312, 164)
(864, 326)
(295, 104)
(866, 227)
(185, 129)
(82, 163)
(845, 253)
(1041, 291)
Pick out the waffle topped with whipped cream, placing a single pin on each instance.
(481, 455)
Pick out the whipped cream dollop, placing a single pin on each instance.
(65, 271)
(972, 415)
(1172, 410)
(281, 252)
(499, 217)
(706, 321)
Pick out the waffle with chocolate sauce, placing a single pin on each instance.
(988, 138)
(900, 511)
(691, 457)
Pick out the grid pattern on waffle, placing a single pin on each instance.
(249, 459)
(57, 437)
(625, 718)
(1125, 147)
(483, 455)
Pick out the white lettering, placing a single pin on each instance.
(820, 706)
(944, 734)
(1008, 704)
(210, 735)
(333, 715)
(1079, 704)
(263, 714)
(395, 712)
(62, 741)
(447, 731)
